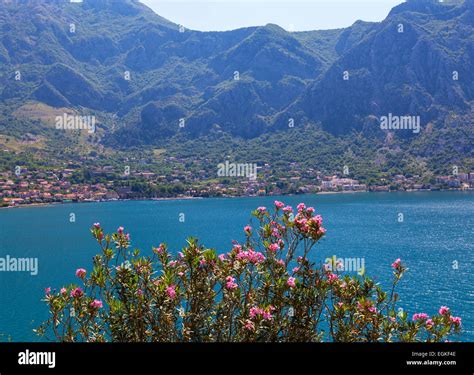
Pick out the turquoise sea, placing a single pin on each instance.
(436, 235)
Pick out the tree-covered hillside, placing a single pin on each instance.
(258, 93)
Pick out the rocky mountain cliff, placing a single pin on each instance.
(119, 58)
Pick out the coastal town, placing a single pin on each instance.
(25, 187)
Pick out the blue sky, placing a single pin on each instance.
(297, 15)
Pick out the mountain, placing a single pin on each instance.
(404, 65)
(150, 81)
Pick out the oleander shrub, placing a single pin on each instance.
(265, 289)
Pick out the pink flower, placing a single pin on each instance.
(288, 209)
(248, 229)
(267, 315)
(261, 209)
(444, 310)
(47, 291)
(120, 230)
(318, 219)
(420, 316)
(429, 323)
(171, 291)
(301, 207)
(296, 269)
(396, 264)
(291, 282)
(310, 210)
(160, 249)
(276, 233)
(249, 326)
(77, 293)
(254, 311)
(63, 291)
(97, 225)
(230, 284)
(222, 257)
(96, 304)
(455, 320)
(281, 262)
(332, 277)
(251, 256)
(202, 262)
(273, 247)
(279, 204)
(81, 273)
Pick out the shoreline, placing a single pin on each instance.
(47, 204)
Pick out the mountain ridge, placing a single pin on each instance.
(246, 83)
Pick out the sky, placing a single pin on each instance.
(292, 15)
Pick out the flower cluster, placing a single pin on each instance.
(266, 288)
(250, 256)
(259, 313)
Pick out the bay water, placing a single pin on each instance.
(432, 232)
